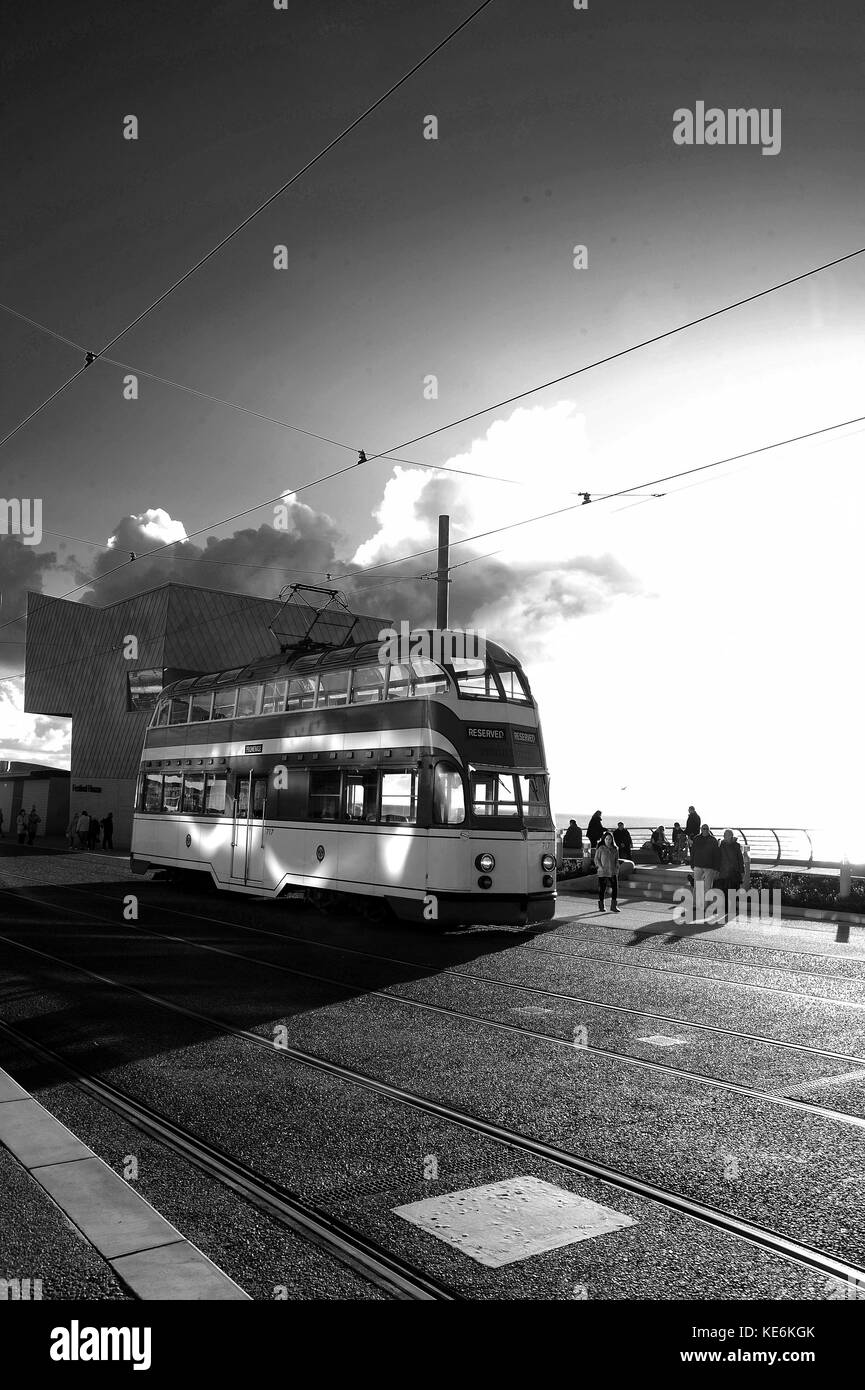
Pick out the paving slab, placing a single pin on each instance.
(34, 1136)
(178, 1271)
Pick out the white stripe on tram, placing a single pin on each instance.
(306, 743)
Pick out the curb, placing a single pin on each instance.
(145, 1251)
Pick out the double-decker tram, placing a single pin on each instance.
(421, 783)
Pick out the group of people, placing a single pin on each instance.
(84, 829)
(26, 826)
(715, 863)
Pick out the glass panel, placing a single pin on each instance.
(399, 682)
(259, 796)
(247, 700)
(514, 686)
(153, 791)
(398, 800)
(201, 706)
(301, 693)
(193, 793)
(162, 715)
(429, 678)
(223, 703)
(493, 794)
(145, 687)
(214, 797)
(361, 796)
(533, 794)
(475, 678)
(324, 795)
(449, 802)
(274, 697)
(368, 685)
(179, 710)
(171, 791)
(332, 689)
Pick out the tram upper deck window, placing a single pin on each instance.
(224, 702)
(533, 795)
(475, 678)
(161, 717)
(494, 794)
(201, 706)
(367, 687)
(247, 701)
(514, 685)
(449, 801)
(301, 693)
(332, 689)
(274, 697)
(399, 798)
(429, 679)
(179, 710)
(324, 794)
(399, 682)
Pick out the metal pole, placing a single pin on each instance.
(442, 579)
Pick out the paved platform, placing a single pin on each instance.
(149, 1256)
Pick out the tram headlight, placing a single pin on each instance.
(548, 863)
(486, 863)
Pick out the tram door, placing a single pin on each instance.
(248, 839)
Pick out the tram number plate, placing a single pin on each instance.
(490, 731)
(252, 748)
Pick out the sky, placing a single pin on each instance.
(701, 647)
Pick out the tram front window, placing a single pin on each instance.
(494, 794)
(449, 802)
(533, 795)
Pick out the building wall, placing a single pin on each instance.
(76, 667)
(50, 796)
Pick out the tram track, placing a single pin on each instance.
(313, 1225)
(609, 1054)
(760, 1236)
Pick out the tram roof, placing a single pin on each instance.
(277, 664)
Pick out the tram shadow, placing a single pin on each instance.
(113, 974)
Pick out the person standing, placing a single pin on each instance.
(34, 820)
(93, 833)
(71, 828)
(692, 826)
(624, 843)
(731, 864)
(705, 858)
(21, 826)
(83, 828)
(595, 830)
(108, 831)
(607, 862)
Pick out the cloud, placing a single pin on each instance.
(31, 737)
(22, 567)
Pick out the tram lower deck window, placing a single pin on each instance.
(494, 794)
(399, 798)
(324, 788)
(449, 801)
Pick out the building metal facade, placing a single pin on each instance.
(79, 666)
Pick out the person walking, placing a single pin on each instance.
(21, 826)
(93, 833)
(71, 828)
(83, 829)
(108, 831)
(606, 858)
(731, 864)
(624, 843)
(573, 839)
(34, 820)
(705, 857)
(595, 830)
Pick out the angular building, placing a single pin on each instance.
(104, 667)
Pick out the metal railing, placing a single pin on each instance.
(765, 844)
